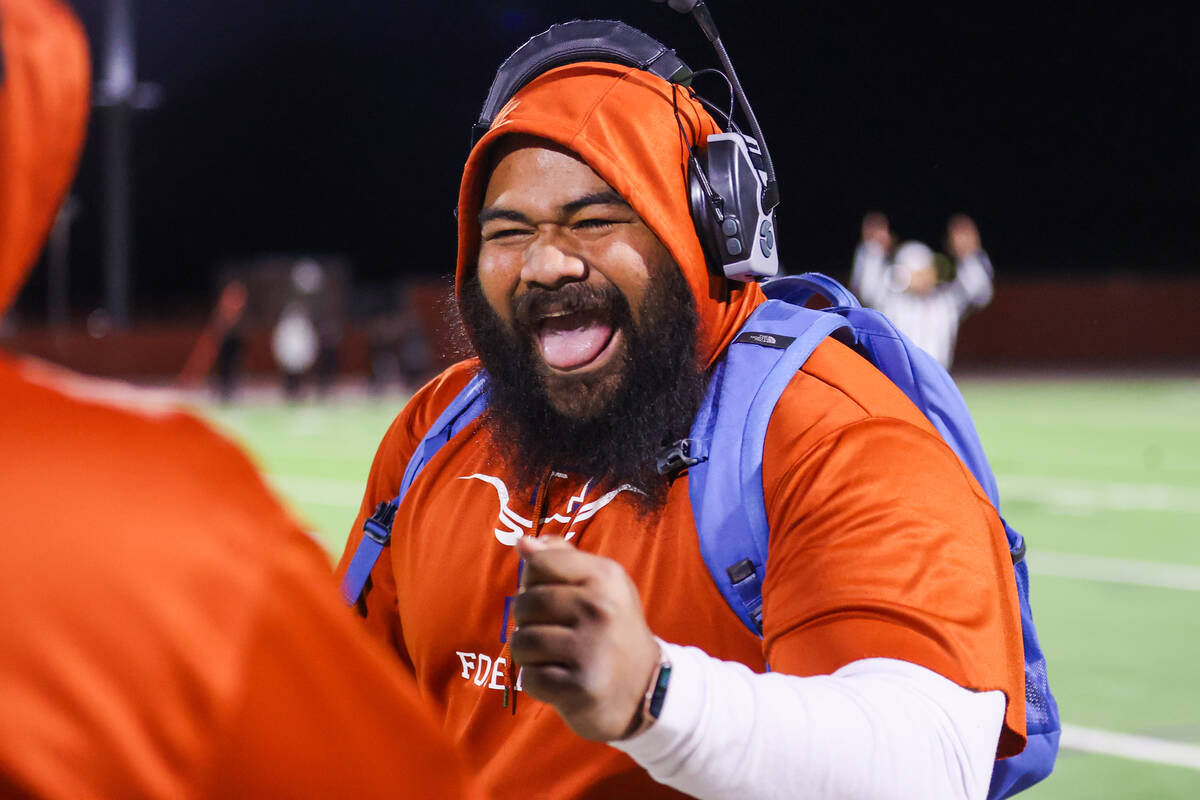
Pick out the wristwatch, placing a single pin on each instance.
(656, 694)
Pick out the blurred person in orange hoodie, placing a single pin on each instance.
(539, 554)
(168, 631)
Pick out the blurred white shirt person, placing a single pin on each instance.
(906, 287)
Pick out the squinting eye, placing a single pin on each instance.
(503, 233)
(595, 224)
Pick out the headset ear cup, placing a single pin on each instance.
(703, 217)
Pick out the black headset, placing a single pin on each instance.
(732, 192)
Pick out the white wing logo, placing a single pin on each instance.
(512, 526)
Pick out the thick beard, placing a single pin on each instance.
(617, 423)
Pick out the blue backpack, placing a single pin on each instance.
(726, 492)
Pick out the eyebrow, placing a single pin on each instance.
(604, 198)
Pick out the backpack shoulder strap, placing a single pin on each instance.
(927, 384)
(377, 530)
(797, 289)
(726, 491)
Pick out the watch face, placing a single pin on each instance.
(659, 693)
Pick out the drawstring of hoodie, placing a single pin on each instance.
(541, 514)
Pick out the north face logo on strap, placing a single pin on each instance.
(764, 339)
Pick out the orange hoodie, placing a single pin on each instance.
(167, 631)
(882, 544)
(43, 115)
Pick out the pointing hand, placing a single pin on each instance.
(581, 638)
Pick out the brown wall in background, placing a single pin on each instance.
(157, 352)
(1038, 324)
(1118, 322)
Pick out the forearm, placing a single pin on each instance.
(870, 274)
(974, 276)
(877, 728)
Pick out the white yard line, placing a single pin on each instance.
(1126, 745)
(1083, 495)
(1115, 570)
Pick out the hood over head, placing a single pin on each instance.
(622, 122)
(44, 90)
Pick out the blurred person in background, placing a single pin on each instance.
(168, 630)
(220, 347)
(295, 343)
(399, 350)
(308, 335)
(905, 285)
(229, 330)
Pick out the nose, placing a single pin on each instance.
(549, 264)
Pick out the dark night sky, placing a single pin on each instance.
(291, 125)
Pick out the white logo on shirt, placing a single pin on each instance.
(484, 670)
(512, 526)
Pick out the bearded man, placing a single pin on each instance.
(544, 582)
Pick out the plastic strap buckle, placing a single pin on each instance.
(379, 525)
(745, 580)
(678, 456)
(1018, 552)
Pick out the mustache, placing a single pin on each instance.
(538, 303)
(661, 387)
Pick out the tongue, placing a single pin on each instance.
(572, 341)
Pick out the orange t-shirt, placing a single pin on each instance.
(168, 631)
(882, 544)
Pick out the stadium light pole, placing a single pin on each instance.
(119, 94)
(58, 260)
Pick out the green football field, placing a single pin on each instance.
(1101, 475)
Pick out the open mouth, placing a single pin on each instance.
(576, 340)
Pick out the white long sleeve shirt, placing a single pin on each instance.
(876, 728)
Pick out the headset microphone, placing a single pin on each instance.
(721, 205)
(703, 17)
